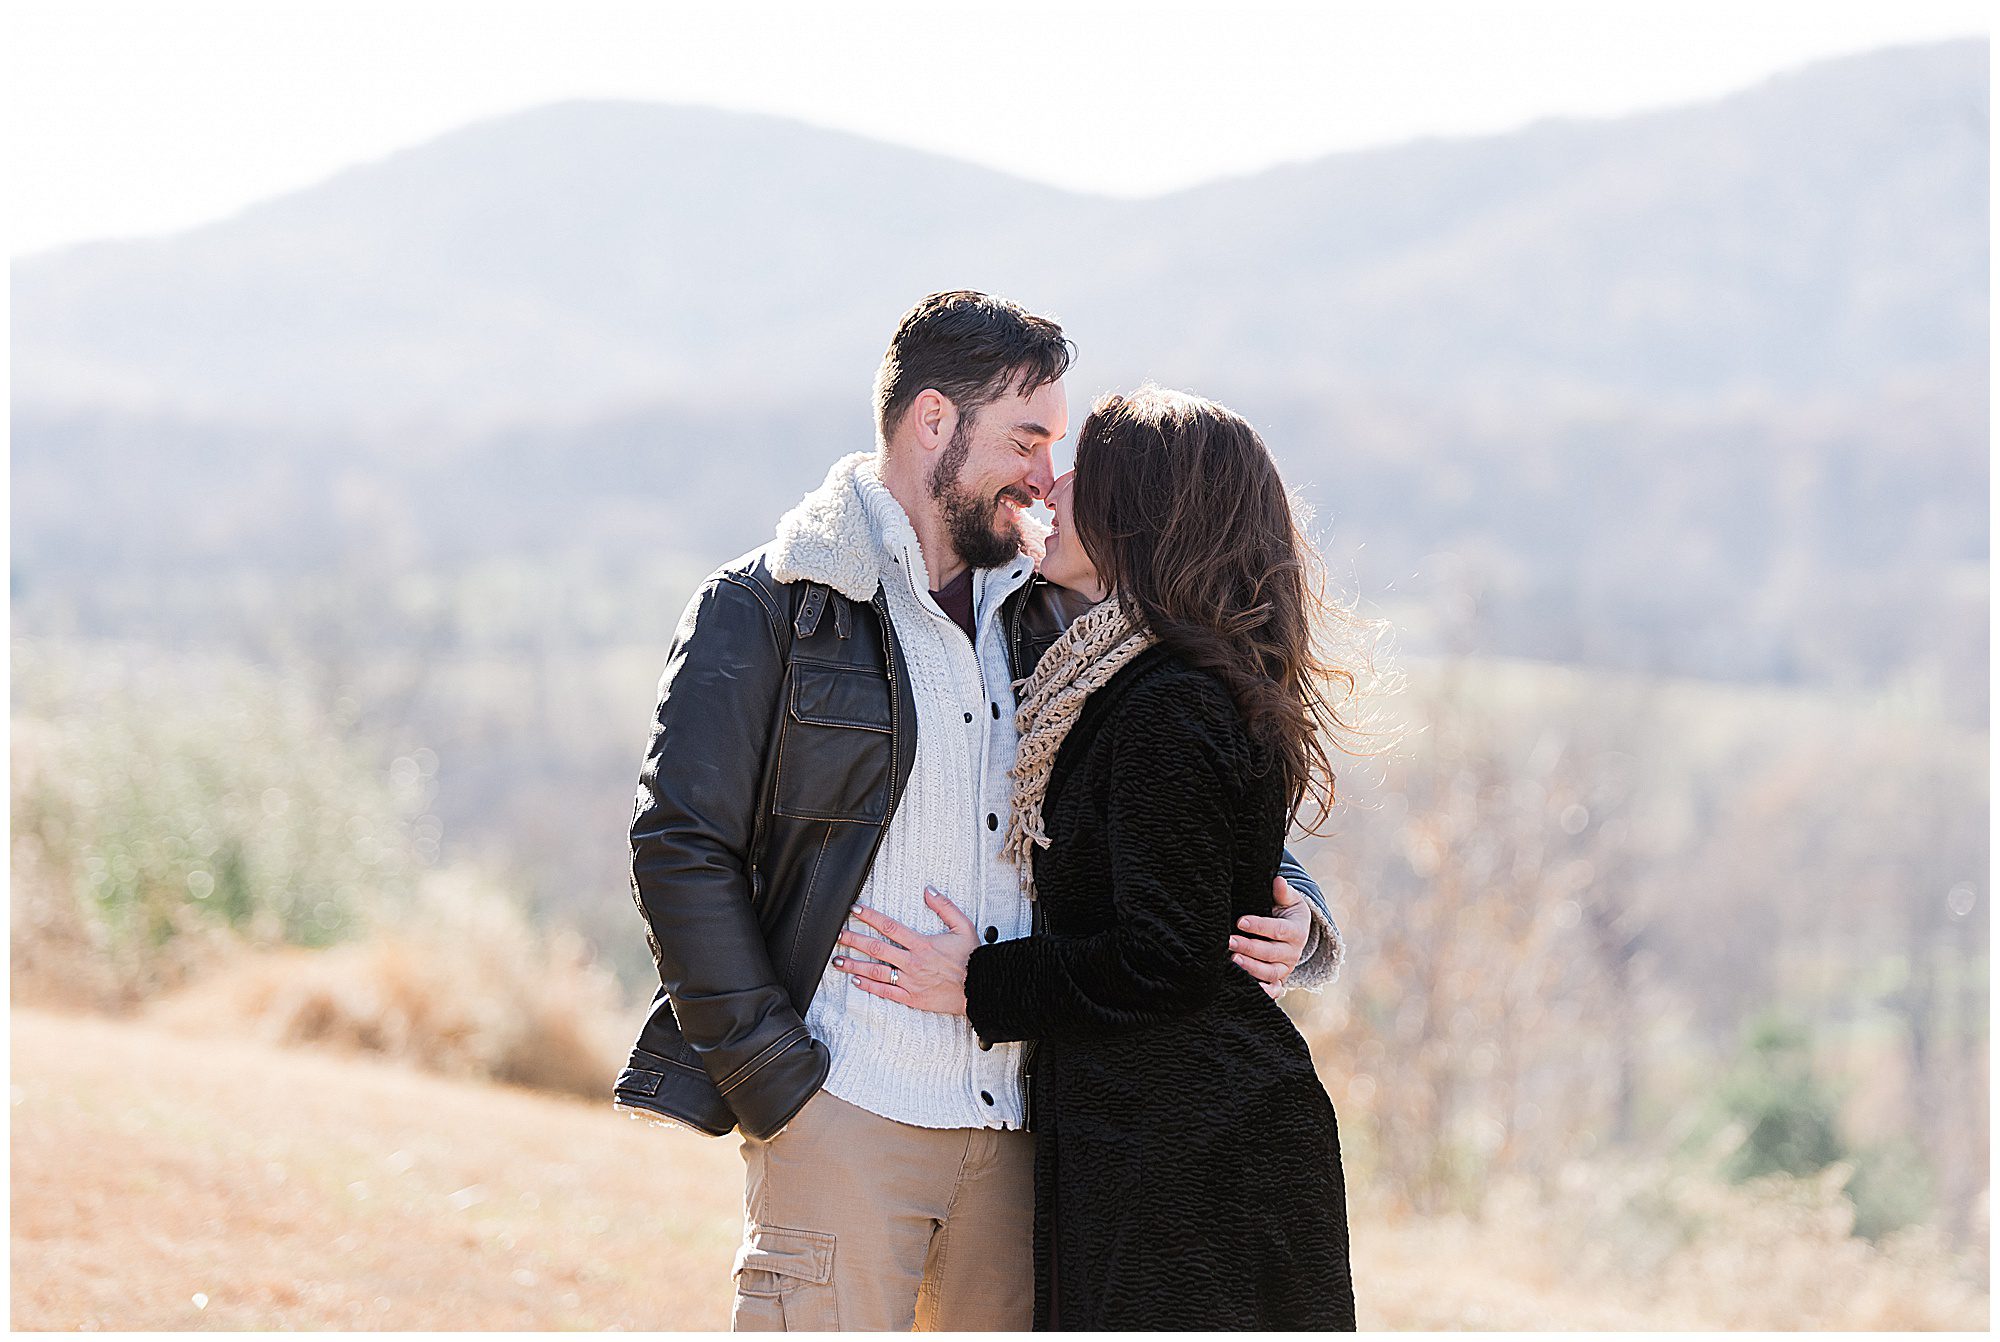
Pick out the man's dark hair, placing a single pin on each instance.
(974, 348)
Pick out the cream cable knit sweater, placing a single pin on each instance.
(912, 1066)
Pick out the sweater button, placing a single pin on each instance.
(996, 710)
(968, 717)
(992, 934)
(986, 1096)
(985, 1047)
(992, 821)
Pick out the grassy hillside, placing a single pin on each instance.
(164, 1182)
(299, 1189)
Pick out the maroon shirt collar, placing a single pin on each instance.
(955, 600)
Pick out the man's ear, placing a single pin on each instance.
(934, 418)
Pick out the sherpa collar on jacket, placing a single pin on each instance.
(844, 532)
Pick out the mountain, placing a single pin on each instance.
(1824, 230)
(553, 262)
(1702, 391)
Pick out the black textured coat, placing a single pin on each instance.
(1187, 1166)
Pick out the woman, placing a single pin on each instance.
(1166, 740)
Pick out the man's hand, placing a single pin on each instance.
(927, 973)
(1269, 948)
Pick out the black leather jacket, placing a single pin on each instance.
(784, 734)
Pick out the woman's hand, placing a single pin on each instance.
(1270, 948)
(927, 973)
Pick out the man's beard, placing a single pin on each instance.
(982, 535)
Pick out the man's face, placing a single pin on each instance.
(995, 467)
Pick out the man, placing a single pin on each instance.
(835, 725)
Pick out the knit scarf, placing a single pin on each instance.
(1088, 654)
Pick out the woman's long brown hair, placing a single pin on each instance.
(1180, 507)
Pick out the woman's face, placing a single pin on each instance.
(1064, 562)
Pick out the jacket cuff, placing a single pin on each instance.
(999, 983)
(1325, 953)
(666, 1091)
(767, 1092)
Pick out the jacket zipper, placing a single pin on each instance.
(881, 606)
(1014, 633)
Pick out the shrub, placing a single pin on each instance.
(1788, 1117)
(157, 805)
(1776, 1252)
(1892, 1187)
(459, 983)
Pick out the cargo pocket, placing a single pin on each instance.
(784, 1281)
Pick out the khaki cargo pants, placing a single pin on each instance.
(855, 1221)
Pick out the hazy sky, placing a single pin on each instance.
(140, 116)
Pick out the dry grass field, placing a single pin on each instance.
(162, 1181)
(168, 1182)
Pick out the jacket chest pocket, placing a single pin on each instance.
(835, 752)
